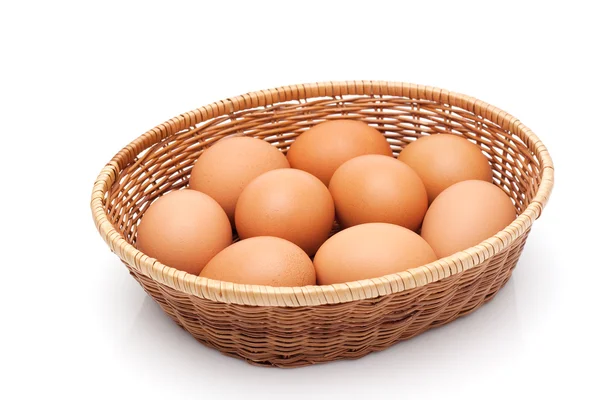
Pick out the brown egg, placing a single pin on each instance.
(377, 188)
(443, 160)
(262, 260)
(466, 214)
(224, 169)
(324, 147)
(286, 203)
(370, 251)
(184, 229)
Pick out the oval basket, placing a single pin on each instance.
(296, 326)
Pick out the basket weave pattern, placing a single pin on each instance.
(298, 326)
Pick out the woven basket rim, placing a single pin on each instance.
(260, 295)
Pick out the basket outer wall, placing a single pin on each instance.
(299, 336)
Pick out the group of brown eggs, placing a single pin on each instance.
(283, 208)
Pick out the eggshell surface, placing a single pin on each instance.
(286, 203)
(324, 147)
(225, 168)
(443, 160)
(375, 188)
(262, 260)
(464, 215)
(370, 251)
(184, 229)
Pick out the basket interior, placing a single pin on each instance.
(166, 165)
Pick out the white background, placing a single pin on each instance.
(80, 80)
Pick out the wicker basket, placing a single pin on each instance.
(296, 326)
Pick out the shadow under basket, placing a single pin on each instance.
(289, 327)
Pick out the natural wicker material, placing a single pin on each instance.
(305, 325)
